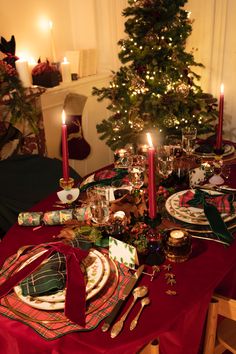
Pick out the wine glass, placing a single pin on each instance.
(189, 135)
(165, 161)
(136, 176)
(100, 211)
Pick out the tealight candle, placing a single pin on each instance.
(121, 152)
(119, 214)
(178, 245)
(177, 234)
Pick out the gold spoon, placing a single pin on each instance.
(138, 292)
(145, 301)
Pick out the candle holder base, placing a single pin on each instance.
(66, 184)
(155, 246)
(153, 222)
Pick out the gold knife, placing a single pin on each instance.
(128, 288)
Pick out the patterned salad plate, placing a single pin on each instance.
(190, 214)
(97, 273)
(228, 150)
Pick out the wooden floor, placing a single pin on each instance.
(151, 348)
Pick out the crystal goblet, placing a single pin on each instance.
(189, 135)
(100, 211)
(136, 176)
(165, 161)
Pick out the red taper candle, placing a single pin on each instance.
(152, 202)
(65, 162)
(220, 121)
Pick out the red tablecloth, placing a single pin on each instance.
(177, 320)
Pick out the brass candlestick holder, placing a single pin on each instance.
(66, 184)
(68, 194)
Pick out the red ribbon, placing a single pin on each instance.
(75, 284)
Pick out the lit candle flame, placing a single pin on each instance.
(222, 88)
(149, 138)
(65, 60)
(63, 117)
(50, 24)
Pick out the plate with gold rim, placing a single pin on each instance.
(57, 301)
(190, 214)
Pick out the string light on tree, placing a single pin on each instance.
(156, 76)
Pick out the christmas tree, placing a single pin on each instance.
(156, 88)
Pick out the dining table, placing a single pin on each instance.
(176, 318)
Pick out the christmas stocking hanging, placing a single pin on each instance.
(78, 148)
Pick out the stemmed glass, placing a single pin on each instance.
(136, 176)
(98, 200)
(189, 135)
(100, 211)
(165, 160)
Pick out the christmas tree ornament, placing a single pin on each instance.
(152, 37)
(118, 125)
(138, 85)
(137, 124)
(170, 121)
(183, 89)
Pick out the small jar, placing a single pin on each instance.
(177, 245)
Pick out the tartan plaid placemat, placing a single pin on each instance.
(54, 324)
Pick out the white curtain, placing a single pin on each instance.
(214, 42)
(109, 29)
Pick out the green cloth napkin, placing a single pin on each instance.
(50, 277)
(217, 225)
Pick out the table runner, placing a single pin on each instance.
(53, 324)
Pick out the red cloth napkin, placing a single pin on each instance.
(222, 202)
(75, 284)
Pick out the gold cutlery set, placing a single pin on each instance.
(138, 292)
